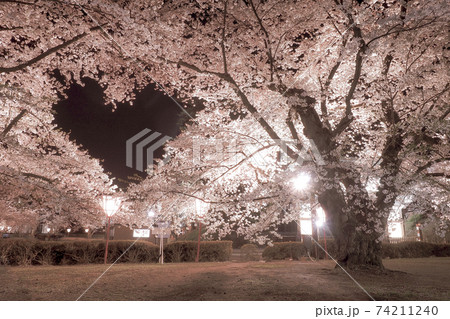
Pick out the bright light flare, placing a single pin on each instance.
(201, 207)
(301, 182)
(110, 205)
(320, 217)
(151, 213)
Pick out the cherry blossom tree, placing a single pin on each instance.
(45, 178)
(366, 83)
(363, 83)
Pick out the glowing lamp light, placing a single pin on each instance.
(151, 213)
(87, 230)
(48, 230)
(201, 207)
(69, 230)
(110, 205)
(320, 217)
(301, 182)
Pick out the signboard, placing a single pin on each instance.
(164, 225)
(165, 232)
(141, 233)
(162, 231)
(395, 229)
(305, 226)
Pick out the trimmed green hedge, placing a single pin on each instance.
(284, 250)
(34, 252)
(295, 250)
(415, 250)
(25, 252)
(186, 251)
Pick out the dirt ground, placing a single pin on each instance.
(409, 279)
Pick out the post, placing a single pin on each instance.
(107, 239)
(325, 243)
(198, 243)
(162, 246)
(315, 234)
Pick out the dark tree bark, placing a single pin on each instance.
(353, 219)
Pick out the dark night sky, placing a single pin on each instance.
(103, 133)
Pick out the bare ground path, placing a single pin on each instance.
(413, 279)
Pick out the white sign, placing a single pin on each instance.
(142, 233)
(305, 226)
(165, 232)
(164, 225)
(395, 229)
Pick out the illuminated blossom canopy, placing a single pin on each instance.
(362, 85)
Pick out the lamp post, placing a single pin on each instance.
(320, 223)
(302, 183)
(200, 208)
(110, 205)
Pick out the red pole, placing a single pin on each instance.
(325, 242)
(198, 244)
(107, 239)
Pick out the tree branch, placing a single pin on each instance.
(12, 123)
(293, 131)
(267, 39)
(47, 53)
(222, 43)
(248, 105)
(393, 31)
(348, 118)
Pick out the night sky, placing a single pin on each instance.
(103, 133)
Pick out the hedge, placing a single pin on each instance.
(35, 252)
(415, 250)
(284, 250)
(25, 252)
(186, 251)
(295, 250)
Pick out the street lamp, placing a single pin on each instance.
(301, 182)
(110, 205)
(320, 223)
(200, 208)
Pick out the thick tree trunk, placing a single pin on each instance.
(359, 251)
(357, 243)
